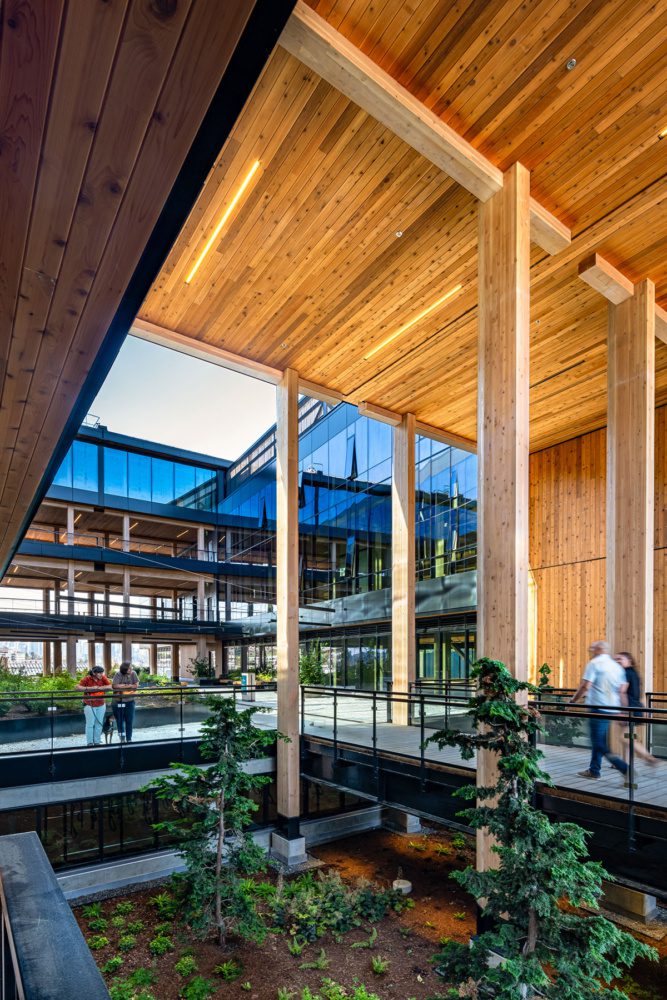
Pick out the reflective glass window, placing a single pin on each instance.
(63, 476)
(139, 475)
(162, 490)
(84, 466)
(115, 472)
(184, 482)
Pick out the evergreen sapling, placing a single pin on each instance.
(212, 810)
(547, 950)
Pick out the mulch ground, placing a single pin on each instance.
(408, 940)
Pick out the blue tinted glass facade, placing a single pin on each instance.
(131, 476)
(345, 469)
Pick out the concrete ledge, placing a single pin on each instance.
(398, 819)
(326, 828)
(631, 902)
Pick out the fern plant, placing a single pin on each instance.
(547, 951)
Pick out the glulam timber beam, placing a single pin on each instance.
(195, 348)
(394, 418)
(606, 279)
(503, 442)
(611, 283)
(403, 623)
(287, 601)
(318, 45)
(630, 476)
(381, 413)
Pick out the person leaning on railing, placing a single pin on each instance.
(125, 683)
(95, 684)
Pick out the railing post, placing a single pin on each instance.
(303, 709)
(422, 762)
(632, 841)
(182, 728)
(375, 735)
(335, 725)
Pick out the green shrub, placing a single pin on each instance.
(160, 945)
(117, 922)
(142, 977)
(165, 905)
(164, 928)
(97, 942)
(198, 989)
(92, 911)
(124, 908)
(186, 966)
(113, 965)
(99, 924)
(285, 994)
(127, 942)
(369, 942)
(135, 927)
(379, 965)
(124, 989)
(308, 907)
(321, 962)
(229, 970)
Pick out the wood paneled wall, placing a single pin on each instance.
(567, 552)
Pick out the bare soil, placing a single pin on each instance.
(408, 940)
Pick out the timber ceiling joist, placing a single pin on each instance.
(100, 107)
(377, 126)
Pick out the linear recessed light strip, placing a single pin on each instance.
(415, 319)
(228, 211)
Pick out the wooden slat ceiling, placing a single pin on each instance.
(309, 271)
(99, 105)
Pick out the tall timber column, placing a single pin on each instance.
(71, 639)
(403, 651)
(630, 476)
(502, 439)
(287, 845)
(126, 640)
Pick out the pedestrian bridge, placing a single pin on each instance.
(374, 744)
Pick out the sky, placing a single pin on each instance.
(165, 396)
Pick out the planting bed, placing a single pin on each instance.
(407, 940)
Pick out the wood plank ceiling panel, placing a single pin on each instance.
(309, 272)
(99, 105)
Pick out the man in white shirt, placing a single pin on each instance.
(605, 687)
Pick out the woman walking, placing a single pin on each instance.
(627, 661)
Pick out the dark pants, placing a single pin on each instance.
(124, 715)
(600, 747)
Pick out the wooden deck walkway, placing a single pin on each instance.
(354, 727)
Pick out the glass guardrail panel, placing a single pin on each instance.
(154, 713)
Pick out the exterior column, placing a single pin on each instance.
(91, 653)
(56, 597)
(152, 658)
(70, 587)
(70, 525)
(71, 654)
(201, 599)
(175, 672)
(200, 543)
(126, 593)
(287, 601)
(630, 476)
(126, 533)
(46, 659)
(403, 653)
(107, 658)
(503, 439)
(126, 648)
(57, 656)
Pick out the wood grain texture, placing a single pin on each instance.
(605, 279)
(287, 592)
(109, 114)
(630, 477)
(403, 650)
(567, 551)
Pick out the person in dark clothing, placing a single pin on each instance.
(627, 661)
(125, 683)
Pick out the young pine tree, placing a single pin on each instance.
(212, 810)
(541, 865)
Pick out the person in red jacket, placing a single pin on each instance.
(94, 684)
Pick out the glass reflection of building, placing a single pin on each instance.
(345, 469)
